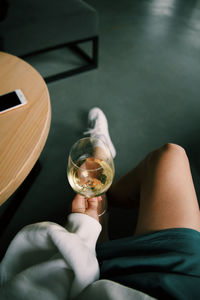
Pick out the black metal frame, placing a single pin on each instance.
(92, 62)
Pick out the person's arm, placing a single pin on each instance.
(47, 261)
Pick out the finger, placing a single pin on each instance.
(92, 209)
(93, 203)
(78, 204)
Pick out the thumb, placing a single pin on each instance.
(78, 204)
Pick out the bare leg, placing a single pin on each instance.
(126, 191)
(163, 184)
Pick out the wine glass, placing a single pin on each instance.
(91, 169)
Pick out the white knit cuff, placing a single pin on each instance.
(86, 227)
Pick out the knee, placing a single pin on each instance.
(170, 147)
(168, 152)
(173, 152)
(173, 149)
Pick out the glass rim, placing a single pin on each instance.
(88, 138)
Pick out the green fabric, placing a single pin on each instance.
(164, 264)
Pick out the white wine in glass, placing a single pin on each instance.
(90, 169)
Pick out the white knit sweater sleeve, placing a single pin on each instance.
(47, 261)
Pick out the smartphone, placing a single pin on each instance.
(12, 100)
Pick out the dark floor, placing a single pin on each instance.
(148, 85)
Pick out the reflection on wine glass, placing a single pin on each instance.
(90, 169)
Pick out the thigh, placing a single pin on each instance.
(167, 194)
(125, 192)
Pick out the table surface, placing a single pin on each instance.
(24, 130)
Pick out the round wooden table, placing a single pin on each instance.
(24, 130)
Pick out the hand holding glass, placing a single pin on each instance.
(90, 169)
